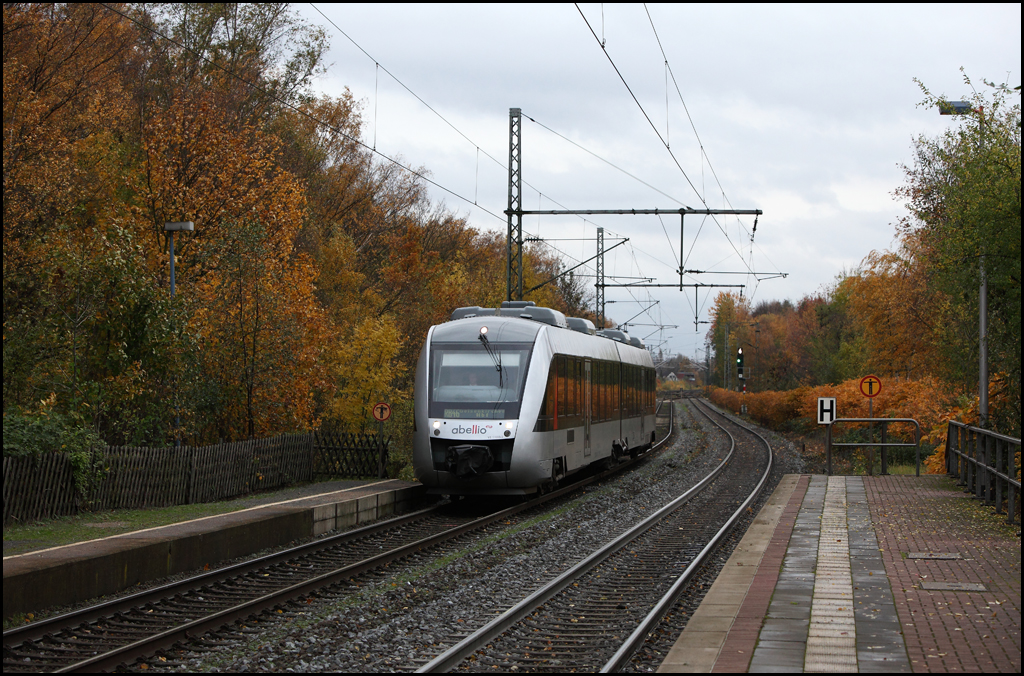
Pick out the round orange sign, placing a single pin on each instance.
(870, 386)
(381, 411)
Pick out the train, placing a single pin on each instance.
(510, 401)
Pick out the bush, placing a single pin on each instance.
(49, 432)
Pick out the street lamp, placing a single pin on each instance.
(963, 108)
(170, 228)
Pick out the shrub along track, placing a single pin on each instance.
(119, 632)
(597, 614)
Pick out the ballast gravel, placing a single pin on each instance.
(415, 609)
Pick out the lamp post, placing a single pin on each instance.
(170, 228)
(963, 108)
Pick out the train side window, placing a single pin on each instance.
(562, 391)
(608, 414)
(629, 391)
(610, 384)
(580, 392)
(570, 386)
(626, 391)
(632, 392)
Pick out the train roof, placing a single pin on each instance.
(523, 322)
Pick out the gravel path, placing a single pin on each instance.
(419, 607)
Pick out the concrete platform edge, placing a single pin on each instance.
(697, 649)
(63, 575)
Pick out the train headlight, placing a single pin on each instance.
(508, 425)
(483, 330)
(437, 424)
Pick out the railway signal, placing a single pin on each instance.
(739, 363)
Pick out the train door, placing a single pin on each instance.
(642, 396)
(587, 401)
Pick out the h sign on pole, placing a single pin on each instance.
(826, 410)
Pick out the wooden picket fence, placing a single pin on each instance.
(348, 455)
(159, 477)
(129, 477)
(39, 487)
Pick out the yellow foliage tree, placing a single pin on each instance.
(364, 368)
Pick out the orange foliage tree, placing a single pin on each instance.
(313, 272)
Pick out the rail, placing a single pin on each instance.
(124, 651)
(883, 444)
(650, 622)
(450, 659)
(984, 462)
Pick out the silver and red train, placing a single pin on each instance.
(508, 401)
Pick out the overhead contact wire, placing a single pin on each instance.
(660, 138)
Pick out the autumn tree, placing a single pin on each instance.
(731, 328)
(963, 192)
(899, 311)
(836, 344)
(314, 270)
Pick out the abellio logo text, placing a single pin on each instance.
(475, 429)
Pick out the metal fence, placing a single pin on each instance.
(883, 445)
(985, 464)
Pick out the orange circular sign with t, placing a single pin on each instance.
(870, 386)
(381, 411)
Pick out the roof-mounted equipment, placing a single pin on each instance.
(581, 325)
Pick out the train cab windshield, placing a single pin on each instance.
(471, 381)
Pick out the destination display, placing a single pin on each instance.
(475, 413)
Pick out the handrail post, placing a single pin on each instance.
(1013, 495)
(828, 450)
(972, 444)
(989, 476)
(961, 470)
(885, 465)
(949, 455)
(979, 468)
(917, 447)
(998, 488)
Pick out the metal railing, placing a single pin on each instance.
(984, 462)
(883, 444)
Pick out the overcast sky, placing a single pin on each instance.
(805, 112)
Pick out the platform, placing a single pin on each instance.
(76, 572)
(862, 574)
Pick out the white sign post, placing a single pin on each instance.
(826, 410)
(827, 415)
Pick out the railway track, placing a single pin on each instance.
(595, 615)
(116, 633)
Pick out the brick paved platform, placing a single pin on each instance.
(949, 631)
(871, 574)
